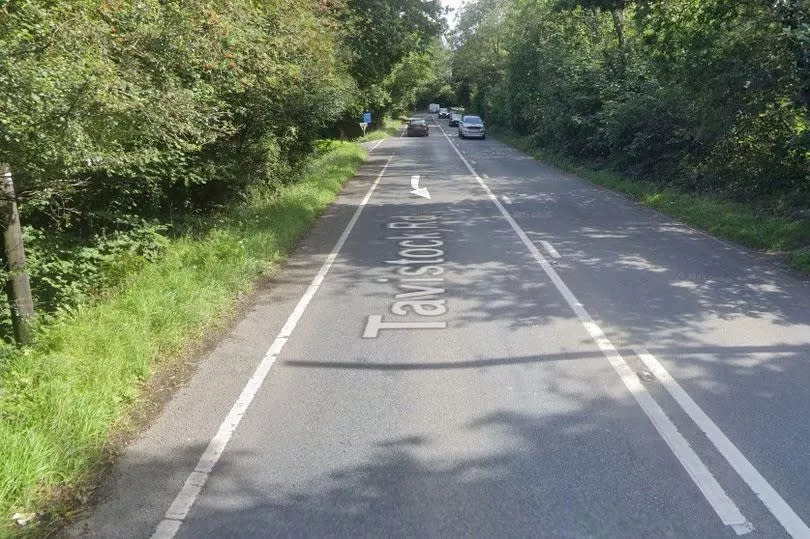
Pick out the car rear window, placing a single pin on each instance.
(416, 121)
(472, 120)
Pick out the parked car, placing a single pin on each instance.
(417, 127)
(454, 120)
(433, 108)
(472, 126)
(444, 113)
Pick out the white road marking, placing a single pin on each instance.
(418, 191)
(473, 162)
(789, 520)
(506, 199)
(726, 509)
(182, 503)
(375, 146)
(374, 323)
(485, 176)
(550, 249)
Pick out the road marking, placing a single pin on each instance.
(485, 176)
(182, 503)
(550, 249)
(375, 146)
(418, 191)
(723, 506)
(789, 520)
(473, 162)
(374, 323)
(506, 199)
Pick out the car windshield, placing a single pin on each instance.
(416, 121)
(472, 120)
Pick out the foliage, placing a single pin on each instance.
(381, 34)
(420, 78)
(122, 119)
(708, 95)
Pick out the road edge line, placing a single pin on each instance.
(182, 503)
(725, 508)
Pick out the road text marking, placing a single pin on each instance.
(177, 512)
(724, 507)
(416, 276)
(792, 523)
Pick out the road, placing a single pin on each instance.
(514, 352)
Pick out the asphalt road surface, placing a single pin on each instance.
(511, 353)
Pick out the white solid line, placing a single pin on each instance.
(550, 248)
(725, 508)
(375, 146)
(506, 199)
(789, 520)
(196, 480)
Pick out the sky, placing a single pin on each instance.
(455, 4)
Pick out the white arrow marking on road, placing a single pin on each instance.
(419, 191)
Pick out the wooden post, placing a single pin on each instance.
(18, 287)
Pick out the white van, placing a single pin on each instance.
(433, 108)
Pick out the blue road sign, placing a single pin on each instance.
(367, 117)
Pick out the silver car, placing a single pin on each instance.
(472, 126)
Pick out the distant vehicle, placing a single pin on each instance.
(433, 108)
(444, 113)
(417, 127)
(455, 118)
(471, 126)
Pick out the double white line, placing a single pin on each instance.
(725, 508)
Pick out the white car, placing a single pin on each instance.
(472, 126)
(433, 108)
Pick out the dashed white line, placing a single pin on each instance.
(789, 520)
(506, 199)
(550, 249)
(723, 506)
(177, 512)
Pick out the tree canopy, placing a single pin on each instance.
(711, 94)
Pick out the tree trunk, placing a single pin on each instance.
(18, 287)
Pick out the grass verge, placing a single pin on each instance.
(735, 221)
(389, 128)
(62, 399)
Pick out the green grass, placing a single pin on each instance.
(65, 397)
(390, 128)
(735, 221)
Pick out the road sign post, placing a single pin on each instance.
(365, 122)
